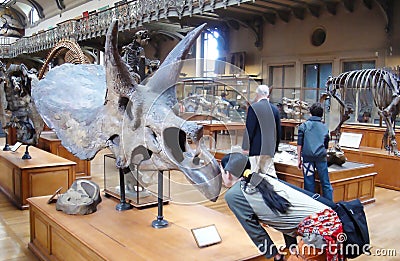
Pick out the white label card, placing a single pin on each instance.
(16, 146)
(350, 140)
(206, 236)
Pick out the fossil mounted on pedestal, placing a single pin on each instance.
(135, 121)
(383, 84)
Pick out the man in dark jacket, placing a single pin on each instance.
(262, 135)
(312, 145)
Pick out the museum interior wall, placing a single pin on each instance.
(281, 61)
(357, 36)
(350, 37)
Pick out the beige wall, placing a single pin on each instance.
(350, 37)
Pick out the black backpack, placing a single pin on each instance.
(355, 228)
(356, 236)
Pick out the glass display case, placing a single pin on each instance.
(220, 98)
(141, 188)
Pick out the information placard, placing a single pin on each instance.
(16, 146)
(206, 236)
(350, 140)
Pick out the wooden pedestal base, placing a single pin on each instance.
(384, 164)
(111, 235)
(39, 176)
(350, 181)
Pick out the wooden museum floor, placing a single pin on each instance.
(383, 219)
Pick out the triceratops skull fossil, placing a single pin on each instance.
(135, 121)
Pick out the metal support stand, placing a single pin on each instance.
(123, 205)
(160, 222)
(7, 146)
(26, 154)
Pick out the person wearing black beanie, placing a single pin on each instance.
(257, 198)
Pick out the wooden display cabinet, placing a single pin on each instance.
(385, 164)
(108, 234)
(41, 175)
(350, 181)
(371, 135)
(371, 151)
(49, 142)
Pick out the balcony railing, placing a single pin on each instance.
(131, 15)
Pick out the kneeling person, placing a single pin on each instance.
(255, 198)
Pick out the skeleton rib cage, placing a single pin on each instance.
(384, 87)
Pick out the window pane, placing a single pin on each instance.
(311, 75)
(315, 76)
(351, 66)
(325, 72)
(281, 82)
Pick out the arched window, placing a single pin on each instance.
(211, 52)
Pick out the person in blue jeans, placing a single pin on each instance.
(312, 145)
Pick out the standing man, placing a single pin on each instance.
(262, 135)
(312, 145)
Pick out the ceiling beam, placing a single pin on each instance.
(387, 8)
(270, 18)
(299, 12)
(314, 9)
(38, 8)
(20, 16)
(267, 16)
(332, 7)
(276, 3)
(368, 4)
(60, 4)
(284, 15)
(349, 5)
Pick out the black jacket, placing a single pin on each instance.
(263, 129)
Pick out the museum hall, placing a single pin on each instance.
(145, 130)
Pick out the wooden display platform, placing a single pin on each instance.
(352, 180)
(384, 164)
(212, 129)
(372, 136)
(39, 176)
(288, 128)
(128, 235)
(49, 142)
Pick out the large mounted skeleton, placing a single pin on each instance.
(385, 89)
(135, 121)
(16, 107)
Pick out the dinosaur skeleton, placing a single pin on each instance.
(136, 122)
(199, 104)
(384, 87)
(133, 53)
